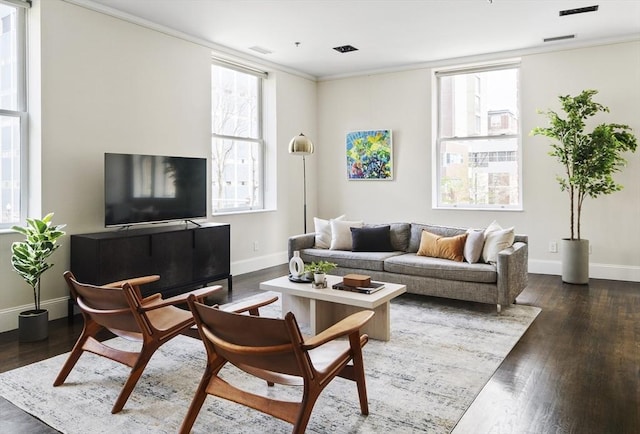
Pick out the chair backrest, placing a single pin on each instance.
(107, 306)
(269, 344)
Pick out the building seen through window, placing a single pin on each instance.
(478, 143)
(237, 142)
(12, 113)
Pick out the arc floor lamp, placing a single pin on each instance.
(302, 145)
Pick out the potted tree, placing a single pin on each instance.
(589, 159)
(29, 260)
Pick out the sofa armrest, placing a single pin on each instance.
(513, 272)
(299, 242)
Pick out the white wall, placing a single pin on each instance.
(107, 85)
(403, 102)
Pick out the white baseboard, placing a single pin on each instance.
(259, 263)
(9, 317)
(628, 273)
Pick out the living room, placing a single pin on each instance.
(100, 83)
(107, 86)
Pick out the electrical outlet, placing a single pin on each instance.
(553, 247)
(256, 246)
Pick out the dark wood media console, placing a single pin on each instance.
(184, 257)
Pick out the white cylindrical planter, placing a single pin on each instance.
(319, 278)
(575, 261)
(296, 265)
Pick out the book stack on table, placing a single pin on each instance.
(358, 283)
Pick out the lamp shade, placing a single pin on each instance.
(301, 145)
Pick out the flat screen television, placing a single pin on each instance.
(152, 188)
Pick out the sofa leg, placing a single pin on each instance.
(499, 307)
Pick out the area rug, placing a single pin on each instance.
(438, 359)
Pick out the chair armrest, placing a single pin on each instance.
(136, 281)
(250, 303)
(299, 242)
(181, 298)
(345, 327)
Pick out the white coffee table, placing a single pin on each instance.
(321, 308)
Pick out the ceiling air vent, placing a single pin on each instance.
(260, 50)
(345, 48)
(578, 10)
(559, 38)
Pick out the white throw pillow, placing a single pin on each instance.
(495, 241)
(323, 231)
(341, 233)
(474, 245)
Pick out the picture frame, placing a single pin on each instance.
(369, 155)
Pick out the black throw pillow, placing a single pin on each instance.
(371, 239)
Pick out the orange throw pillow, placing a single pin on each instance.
(436, 246)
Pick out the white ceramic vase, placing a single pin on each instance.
(296, 265)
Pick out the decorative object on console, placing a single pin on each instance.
(589, 161)
(29, 260)
(301, 145)
(296, 265)
(370, 155)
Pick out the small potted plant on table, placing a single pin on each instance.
(29, 260)
(319, 270)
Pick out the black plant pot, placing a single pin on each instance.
(33, 325)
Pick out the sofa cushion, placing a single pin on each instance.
(412, 264)
(371, 239)
(373, 261)
(437, 246)
(323, 231)
(496, 239)
(473, 246)
(416, 234)
(341, 233)
(399, 234)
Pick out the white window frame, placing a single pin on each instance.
(439, 140)
(259, 140)
(20, 112)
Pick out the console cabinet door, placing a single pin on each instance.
(211, 253)
(100, 261)
(172, 254)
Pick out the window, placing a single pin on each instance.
(478, 122)
(13, 115)
(237, 140)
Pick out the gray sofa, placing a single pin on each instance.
(494, 283)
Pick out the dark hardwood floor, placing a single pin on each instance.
(576, 370)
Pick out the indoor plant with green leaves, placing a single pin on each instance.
(589, 160)
(319, 270)
(29, 260)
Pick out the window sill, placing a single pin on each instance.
(250, 211)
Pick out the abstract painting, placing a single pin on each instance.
(369, 155)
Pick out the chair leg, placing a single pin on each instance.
(213, 367)
(358, 371)
(136, 373)
(309, 399)
(196, 403)
(90, 329)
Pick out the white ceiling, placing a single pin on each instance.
(389, 34)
